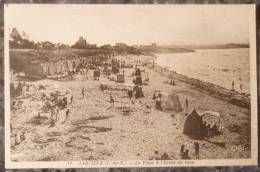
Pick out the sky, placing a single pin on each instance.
(132, 24)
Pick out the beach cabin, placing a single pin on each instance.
(120, 78)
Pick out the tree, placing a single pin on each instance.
(15, 35)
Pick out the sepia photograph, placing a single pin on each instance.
(130, 86)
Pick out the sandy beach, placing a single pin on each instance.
(96, 130)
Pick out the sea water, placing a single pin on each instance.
(217, 66)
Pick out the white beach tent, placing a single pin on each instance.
(173, 103)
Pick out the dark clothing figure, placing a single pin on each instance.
(197, 149)
(138, 72)
(130, 94)
(83, 92)
(52, 119)
(214, 130)
(154, 96)
(19, 85)
(240, 84)
(66, 115)
(103, 87)
(63, 103)
(19, 89)
(165, 156)
(186, 154)
(12, 90)
(71, 99)
(112, 101)
(182, 149)
(158, 105)
(172, 82)
(186, 104)
(158, 102)
(233, 86)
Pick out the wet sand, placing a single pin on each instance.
(96, 130)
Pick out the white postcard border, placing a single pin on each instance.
(137, 163)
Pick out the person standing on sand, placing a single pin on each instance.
(112, 101)
(71, 99)
(182, 150)
(187, 105)
(240, 84)
(197, 149)
(56, 113)
(52, 120)
(83, 93)
(186, 154)
(11, 128)
(233, 86)
(67, 115)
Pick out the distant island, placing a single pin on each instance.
(218, 46)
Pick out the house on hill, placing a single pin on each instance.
(47, 45)
(106, 46)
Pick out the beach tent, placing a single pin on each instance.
(70, 65)
(211, 117)
(212, 122)
(115, 70)
(96, 73)
(138, 80)
(45, 68)
(58, 67)
(64, 67)
(138, 92)
(120, 78)
(173, 103)
(193, 126)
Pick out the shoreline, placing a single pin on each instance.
(216, 91)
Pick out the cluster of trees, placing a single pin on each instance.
(22, 41)
(18, 40)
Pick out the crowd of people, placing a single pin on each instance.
(54, 103)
